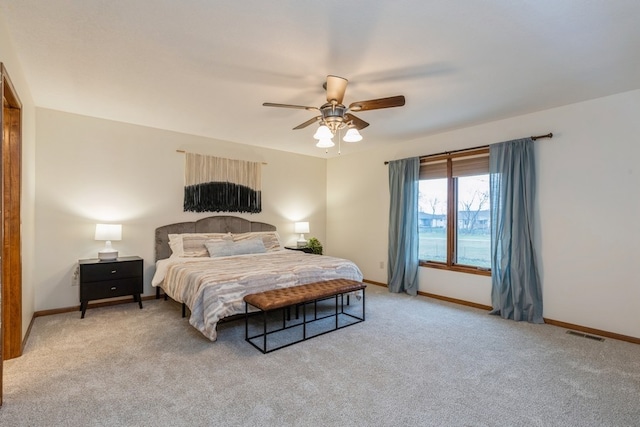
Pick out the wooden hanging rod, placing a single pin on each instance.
(182, 151)
(549, 135)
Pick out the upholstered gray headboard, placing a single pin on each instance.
(212, 224)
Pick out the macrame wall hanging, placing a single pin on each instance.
(214, 184)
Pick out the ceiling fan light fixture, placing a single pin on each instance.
(352, 135)
(323, 132)
(325, 143)
(334, 117)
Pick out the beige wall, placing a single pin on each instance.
(587, 210)
(92, 170)
(12, 64)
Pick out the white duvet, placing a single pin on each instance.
(213, 288)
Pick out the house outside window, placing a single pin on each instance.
(453, 221)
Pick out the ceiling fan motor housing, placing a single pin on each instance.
(333, 116)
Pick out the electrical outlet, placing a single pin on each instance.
(75, 276)
(381, 264)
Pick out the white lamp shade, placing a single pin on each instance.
(352, 135)
(325, 143)
(323, 132)
(301, 227)
(108, 232)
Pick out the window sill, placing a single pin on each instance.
(459, 268)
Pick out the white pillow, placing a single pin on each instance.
(270, 239)
(193, 244)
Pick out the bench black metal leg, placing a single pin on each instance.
(246, 321)
(264, 323)
(304, 321)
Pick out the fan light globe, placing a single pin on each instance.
(325, 143)
(352, 135)
(323, 132)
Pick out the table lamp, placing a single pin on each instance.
(301, 227)
(108, 232)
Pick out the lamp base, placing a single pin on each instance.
(301, 243)
(108, 255)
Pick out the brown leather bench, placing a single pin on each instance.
(301, 295)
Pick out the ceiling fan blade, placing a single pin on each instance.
(357, 122)
(375, 104)
(308, 122)
(298, 107)
(336, 86)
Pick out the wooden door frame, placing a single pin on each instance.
(11, 249)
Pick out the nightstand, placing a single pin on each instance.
(303, 249)
(111, 278)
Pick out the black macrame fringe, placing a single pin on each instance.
(221, 197)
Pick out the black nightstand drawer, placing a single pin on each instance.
(110, 271)
(110, 289)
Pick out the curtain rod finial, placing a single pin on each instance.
(549, 135)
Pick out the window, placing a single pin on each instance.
(454, 222)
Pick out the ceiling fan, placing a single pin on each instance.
(335, 116)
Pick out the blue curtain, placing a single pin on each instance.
(404, 176)
(516, 292)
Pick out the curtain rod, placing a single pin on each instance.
(182, 151)
(549, 135)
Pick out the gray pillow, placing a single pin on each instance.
(220, 248)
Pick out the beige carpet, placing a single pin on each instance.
(413, 362)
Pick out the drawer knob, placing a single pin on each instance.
(113, 288)
(113, 271)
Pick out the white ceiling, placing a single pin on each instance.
(205, 67)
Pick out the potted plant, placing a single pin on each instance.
(315, 246)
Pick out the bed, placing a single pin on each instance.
(211, 264)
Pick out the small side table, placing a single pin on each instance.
(303, 249)
(110, 278)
